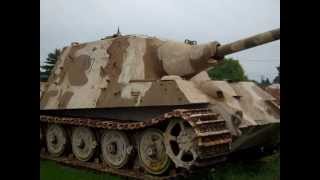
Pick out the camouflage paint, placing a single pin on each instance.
(129, 71)
(247, 43)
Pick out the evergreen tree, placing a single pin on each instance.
(43, 76)
(49, 64)
(264, 82)
(229, 69)
(277, 78)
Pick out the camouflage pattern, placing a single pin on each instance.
(274, 90)
(249, 42)
(130, 71)
(42, 87)
(125, 71)
(246, 107)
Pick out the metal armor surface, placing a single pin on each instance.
(155, 102)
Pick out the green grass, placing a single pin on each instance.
(50, 170)
(267, 168)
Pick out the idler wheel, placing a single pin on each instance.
(83, 143)
(115, 148)
(56, 140)
(179, 142)
(152, 152)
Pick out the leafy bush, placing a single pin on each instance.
(229, 69)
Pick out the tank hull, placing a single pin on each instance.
(218, 118)
(257, 136)
(131, 113)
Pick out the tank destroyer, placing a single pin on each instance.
(144, 107)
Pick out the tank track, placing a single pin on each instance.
(213, 140)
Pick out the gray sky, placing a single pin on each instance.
(63, 22)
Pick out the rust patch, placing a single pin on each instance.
(77, 70)
(152, 64)
(46, 96)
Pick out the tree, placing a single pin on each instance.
(264, 82)
(49, 64)
(277, 78)
(229, 69)
(43, 76)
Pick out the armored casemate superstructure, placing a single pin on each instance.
(140, 104)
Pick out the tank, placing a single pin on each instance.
(274, 90)
(145, 107)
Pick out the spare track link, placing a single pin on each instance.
(213, 138)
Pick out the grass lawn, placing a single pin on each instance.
(49, 170)
(267, 168)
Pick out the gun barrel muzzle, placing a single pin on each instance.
(247, 43)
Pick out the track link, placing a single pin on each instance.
(213, 139)
(101, 167)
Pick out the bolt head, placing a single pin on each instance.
(151, 151)
(112, 148)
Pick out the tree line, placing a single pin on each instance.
(231, 70)
(45, 70)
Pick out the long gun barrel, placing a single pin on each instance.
(247, 43)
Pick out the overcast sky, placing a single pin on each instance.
(63, 22)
